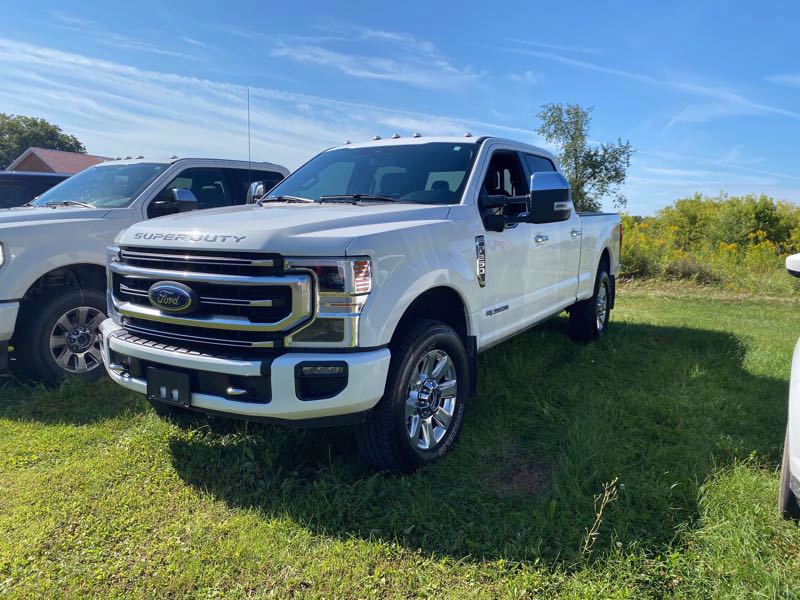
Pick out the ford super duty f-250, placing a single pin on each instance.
(360, 290)
(53, 252)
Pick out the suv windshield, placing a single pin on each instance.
(106, 186)
(432, 173)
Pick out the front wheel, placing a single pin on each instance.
(421, 413)
(588, 319)
(58, 336)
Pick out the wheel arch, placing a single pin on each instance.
(444, 303)
(78, 275)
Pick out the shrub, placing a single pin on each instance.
(740, 242)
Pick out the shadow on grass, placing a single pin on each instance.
(74, 402)
(656, 407)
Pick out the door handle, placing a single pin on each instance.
(575, 233)
(540, 238)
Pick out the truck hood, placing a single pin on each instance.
(289, 229)
(13, 218)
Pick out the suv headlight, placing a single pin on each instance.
(343, 287)
(2, 254)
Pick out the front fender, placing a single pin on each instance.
(38, 249)
(431, 255)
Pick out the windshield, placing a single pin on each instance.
(433, 173)
(107, 186)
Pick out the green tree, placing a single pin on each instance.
(593, 171)
(18, 133)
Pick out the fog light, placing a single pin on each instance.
(322, 370)
(320, 380)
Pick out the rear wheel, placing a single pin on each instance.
(787, 501)
(58, 336)
(421, 413)
(588, 319)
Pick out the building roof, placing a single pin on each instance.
(60, 161)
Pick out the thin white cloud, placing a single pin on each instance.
(71, 20)
(723, 101)
(560, 47)
(792, 80)
(526, 77)
(97, 33)
(393, 56)
(122, 110)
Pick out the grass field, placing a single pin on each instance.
(641, 466)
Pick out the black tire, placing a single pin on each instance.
(787, 501)
(383, 438)
(583, 318)
(34, 362)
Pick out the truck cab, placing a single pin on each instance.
(359, 290)
(53, 252)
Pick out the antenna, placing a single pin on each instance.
(249, 162)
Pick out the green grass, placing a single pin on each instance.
(680, 410)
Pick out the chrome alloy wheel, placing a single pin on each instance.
(75, 342)
(432, 397)
(601, 306)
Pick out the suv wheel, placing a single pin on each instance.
(58, 336)
(422, 411)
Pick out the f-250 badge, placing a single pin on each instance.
(480, 260)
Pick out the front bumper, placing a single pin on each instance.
(8, 319)
(366, 377)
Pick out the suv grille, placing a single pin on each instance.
(242, 300)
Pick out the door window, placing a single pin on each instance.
(504, 177)
(209, 186)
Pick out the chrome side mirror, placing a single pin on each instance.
(256, 191)
(184, 199)
(550, 199)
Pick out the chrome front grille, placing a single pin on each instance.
(244, 301)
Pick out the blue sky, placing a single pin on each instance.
(707, 92)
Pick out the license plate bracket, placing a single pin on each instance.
(169, 387)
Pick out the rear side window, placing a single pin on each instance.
(537, 164)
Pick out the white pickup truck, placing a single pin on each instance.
(53, 252)
(359, 291)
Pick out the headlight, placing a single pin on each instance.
(2, 254)
(344, 285)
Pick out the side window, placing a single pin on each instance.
(241, 178)
(209, 186)
(537, 164)
(505, 176)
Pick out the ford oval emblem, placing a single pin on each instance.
(172, 297)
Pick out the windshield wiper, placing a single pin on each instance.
(284, 199)
(70, 203)
(356, 197)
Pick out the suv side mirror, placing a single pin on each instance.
(184, 199)
(793, 264)
(173, 201)
(256, 191)
(550, 199)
